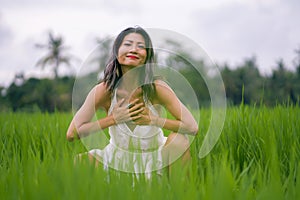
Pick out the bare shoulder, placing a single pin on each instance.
(100, 88)
(164, 92)
(161, 85)
(101, 94)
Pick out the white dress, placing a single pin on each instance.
(135, 151)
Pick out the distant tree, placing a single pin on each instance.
(3, 100)
(14, 96)
(296, 61)
(104, 46)
(233, 93)
(296, 82)
(281, 84)
(19, 78)
(252, 81)
(41, 94)
(100, 56)
(56, 55)
(244, 83)
(180, 59)
(2, 89)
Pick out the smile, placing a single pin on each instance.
(132, 57)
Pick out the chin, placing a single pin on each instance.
(133, 64)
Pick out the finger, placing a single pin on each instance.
(133, 102)
(136, 112)
(136, 106)
(134, 118)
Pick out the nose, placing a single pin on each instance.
(133, 49)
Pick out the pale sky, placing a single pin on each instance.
(228, 30)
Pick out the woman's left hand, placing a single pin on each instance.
(143, 118)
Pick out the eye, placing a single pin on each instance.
(127, 44)
(141, 46)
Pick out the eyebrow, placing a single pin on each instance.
(132, 41)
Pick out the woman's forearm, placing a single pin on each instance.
(176, 125)
(94, 126)
(85, 129)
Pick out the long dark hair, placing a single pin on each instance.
(113, 71)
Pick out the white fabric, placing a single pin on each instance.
(137, 151)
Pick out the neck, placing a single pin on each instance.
(130, 79)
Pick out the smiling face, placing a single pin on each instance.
(132, 51)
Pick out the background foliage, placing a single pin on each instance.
(243, 83)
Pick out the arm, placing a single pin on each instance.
(184, 121)
(81, 124)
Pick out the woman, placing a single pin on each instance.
(131, 97)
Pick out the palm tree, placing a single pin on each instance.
(55, 56)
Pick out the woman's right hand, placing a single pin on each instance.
(123, 113)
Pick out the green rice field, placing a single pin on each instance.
(256, 157)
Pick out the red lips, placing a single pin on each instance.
(132, 57)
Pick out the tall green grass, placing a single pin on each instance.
(256, 157)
